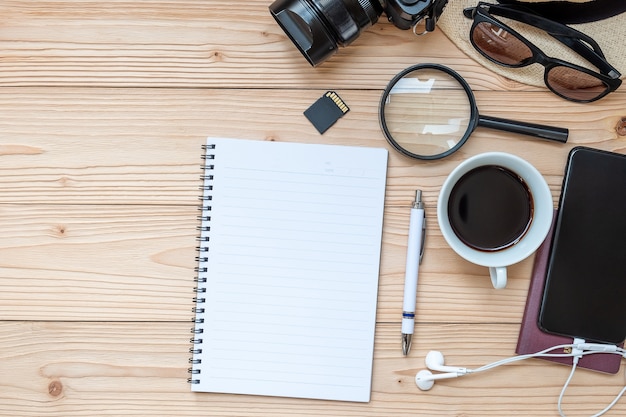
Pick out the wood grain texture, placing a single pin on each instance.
(191, 44)
(142, 146)
(103, 109)
(126, 369)
(136, 262)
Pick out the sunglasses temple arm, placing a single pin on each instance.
(557, 134)
(591, 55)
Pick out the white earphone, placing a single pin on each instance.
(425, 379)
(434, 361)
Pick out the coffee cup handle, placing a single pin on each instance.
(498, 276)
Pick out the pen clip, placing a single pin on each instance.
(422, 244)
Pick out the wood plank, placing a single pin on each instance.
(190, 43)
(130, 369)
(134, 262)
(97, 262)
(142, 146)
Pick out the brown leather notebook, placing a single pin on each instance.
(532, 339)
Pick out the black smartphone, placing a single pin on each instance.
(585, 291)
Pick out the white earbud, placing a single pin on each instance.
(425, 379)
(435, 362)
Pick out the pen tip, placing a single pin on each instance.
(406, 344)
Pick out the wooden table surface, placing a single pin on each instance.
(104, 107)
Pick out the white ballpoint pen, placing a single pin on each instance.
(415, 251)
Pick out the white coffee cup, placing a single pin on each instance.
(542, 204)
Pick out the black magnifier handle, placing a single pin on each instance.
(557, 134)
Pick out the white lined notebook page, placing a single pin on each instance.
(292, 268)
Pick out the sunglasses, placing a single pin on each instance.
(504, 46)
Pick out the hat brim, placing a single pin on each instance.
(608, 33)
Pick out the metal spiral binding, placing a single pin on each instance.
(203, 241)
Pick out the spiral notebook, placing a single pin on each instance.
(288, 269)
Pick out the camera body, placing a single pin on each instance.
(318, 27)
(405, 14)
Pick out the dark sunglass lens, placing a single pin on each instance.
(574, 84)
(500, 45)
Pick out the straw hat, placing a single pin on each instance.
(602, 20)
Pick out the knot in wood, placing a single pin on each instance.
(621, 127)
(55, 388)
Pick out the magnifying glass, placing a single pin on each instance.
(428, 111)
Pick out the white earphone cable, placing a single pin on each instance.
(569, 379)
(579, 348)
(544, 353)
(578, 352)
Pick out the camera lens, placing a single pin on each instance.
(318, 27)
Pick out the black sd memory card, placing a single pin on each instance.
(326, 111)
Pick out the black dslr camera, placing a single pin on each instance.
(317, 27)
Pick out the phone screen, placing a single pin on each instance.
(585, 290)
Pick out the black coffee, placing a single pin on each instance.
(490, 208)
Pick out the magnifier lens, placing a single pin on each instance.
(427, 112)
